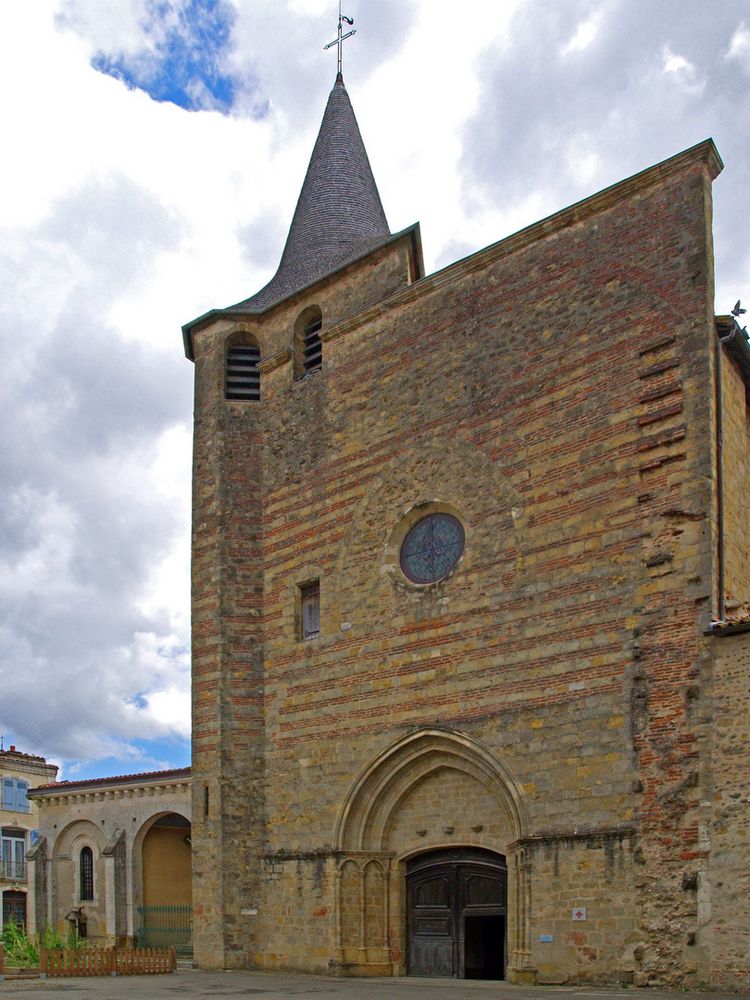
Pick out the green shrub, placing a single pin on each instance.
(19, 948)
(23, 951)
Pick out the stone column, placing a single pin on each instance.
(519, 964)
(112, 903)
(36, 901)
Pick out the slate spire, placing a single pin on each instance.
(339, 215)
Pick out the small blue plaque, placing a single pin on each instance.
(546, 938)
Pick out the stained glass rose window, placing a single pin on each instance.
(432, 548)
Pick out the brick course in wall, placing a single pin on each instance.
(554, 392)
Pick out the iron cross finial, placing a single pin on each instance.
(340, 37)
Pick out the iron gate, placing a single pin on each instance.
(162, 926)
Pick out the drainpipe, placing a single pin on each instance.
(720, 342)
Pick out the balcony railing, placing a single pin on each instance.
(14, 871)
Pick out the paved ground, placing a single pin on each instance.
(192, 984)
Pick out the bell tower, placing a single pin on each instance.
(259, 365)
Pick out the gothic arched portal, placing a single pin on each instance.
(433, 794)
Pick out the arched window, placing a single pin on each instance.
(86, 864)
(242, 375)
(308, 346)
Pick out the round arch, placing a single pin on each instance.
(66, 856)
(373, 801)
(76, 833)
(154, 818)
(162, 860)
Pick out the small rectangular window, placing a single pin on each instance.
(310, 610)
(13, 847)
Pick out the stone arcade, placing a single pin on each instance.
(467, 697)
(112, 854)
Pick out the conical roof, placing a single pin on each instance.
(339, 215)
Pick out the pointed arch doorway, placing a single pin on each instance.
(430, 786)
(456, 902)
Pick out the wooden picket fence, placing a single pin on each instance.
(60, 962)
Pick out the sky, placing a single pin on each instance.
(153, 154)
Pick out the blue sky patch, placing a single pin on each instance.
(143, 755)
(182, 62)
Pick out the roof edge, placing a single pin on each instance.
(233, 311)
(734, 338)
(704, 152)
(720, 630)
(91, 784)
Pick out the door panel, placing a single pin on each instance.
(431, 902)
(482, 889)
(456, 907)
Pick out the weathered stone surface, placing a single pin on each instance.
(550, 699)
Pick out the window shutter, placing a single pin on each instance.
(9, 793)
(22, 803)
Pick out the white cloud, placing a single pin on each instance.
(739, 47)
(41, 568)
(172, 709)
(681, 70)
(584, 160)
(124, 217)
(119, 22)
(313, 8)
(584, 34)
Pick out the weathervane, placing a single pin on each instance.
(339, 39)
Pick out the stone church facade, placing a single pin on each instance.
(468, 696)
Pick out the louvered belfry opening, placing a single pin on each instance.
(308, 349)
(243, 376)
(312, 348)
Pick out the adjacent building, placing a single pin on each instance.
(19, 824)
(112, 859)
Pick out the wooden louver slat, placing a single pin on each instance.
(242, 375)
(312, 348)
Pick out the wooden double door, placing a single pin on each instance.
(456, 914)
